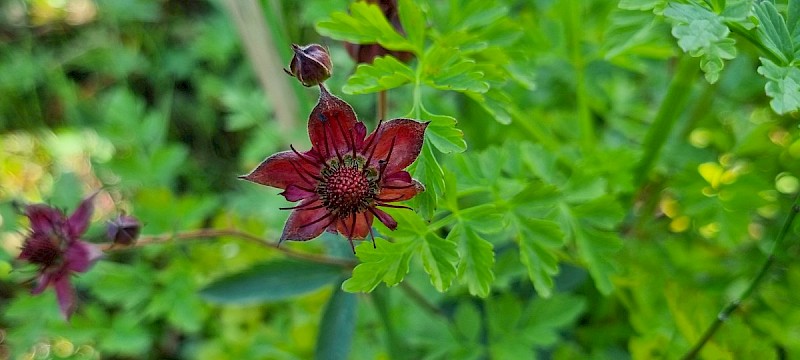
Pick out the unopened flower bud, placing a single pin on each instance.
(310, 64)
(124, 230)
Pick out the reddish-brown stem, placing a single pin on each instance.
(382, 105)
(215, 233)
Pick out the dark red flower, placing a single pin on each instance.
(346, 176)
(54, 245)
(366, 53)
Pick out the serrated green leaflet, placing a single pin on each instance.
(783, 86)
(772, 31)
(383, 74)
(597, 247)
(461, 76)
(477, 260)
(364, 24)
(537, 240)
(702, 33)
(413, 21)
(386, 262)
(428, 171)
(439, 258)
(443, 133)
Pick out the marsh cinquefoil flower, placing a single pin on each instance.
(346, 176)
(54, 245)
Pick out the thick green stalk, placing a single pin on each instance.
(730, 308)
(668, 114)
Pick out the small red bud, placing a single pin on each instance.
(311, 64)
(124, 230)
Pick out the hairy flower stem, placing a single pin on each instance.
(733, 305)
(215, 233)
(668, 114)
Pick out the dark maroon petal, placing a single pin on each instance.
(79, 220)
(42, 282)
(284, 169)
(403, 137)
(294, 193)
(401, 193)
(305, 225)
(65, 296)
(399, 178)
(44, 218)
(360, 133)
(355, 230)
(331, 126)
(80, 256)
(385, 218)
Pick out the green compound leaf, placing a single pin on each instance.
(702, 33)
(337, 326)
(271, 281)
(439, 258)
(772, 31)
(477, 260)
(597, 247)
(428, 171)
(443, 134)
(384, 73)
(783, 86)
(462, 76)
(387, 262)
(413, 21)
(538, 238)
(363, 25)
(445, 68)
(549, 316)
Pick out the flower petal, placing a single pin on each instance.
(305, 225)
(65, 295)
(403, 137)
(79, 220)
(359, 229)
(402, 192)
(80, 256)
(285, 168)
(385, 218)
(294, 193)
(42, 282)
(44, 218)
(332, 126)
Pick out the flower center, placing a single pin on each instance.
(44, 250)
(347, 188)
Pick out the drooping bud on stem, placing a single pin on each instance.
(124, 230)
(311, 64)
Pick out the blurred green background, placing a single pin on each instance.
(161, 104)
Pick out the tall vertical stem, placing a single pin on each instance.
(574, 32)
(730, 308)
(668, 113)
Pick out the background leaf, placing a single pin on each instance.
(271, 281)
